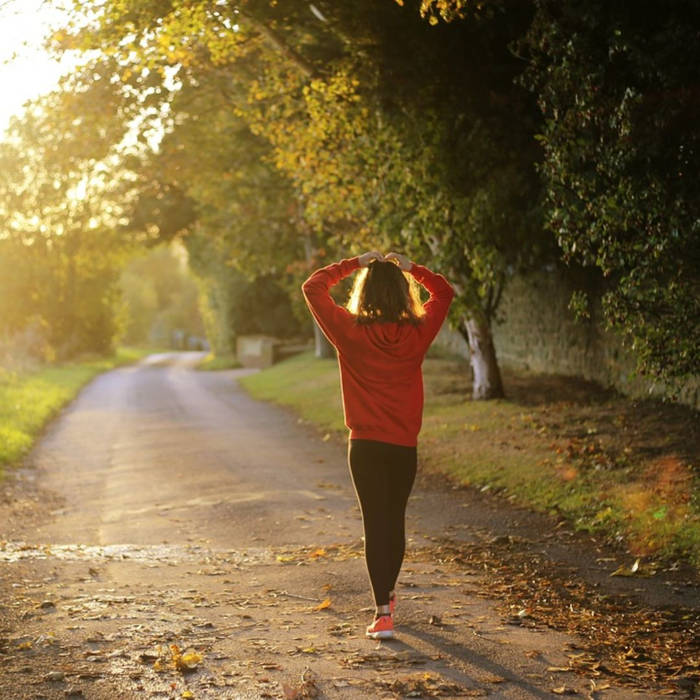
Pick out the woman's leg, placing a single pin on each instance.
(402, 477)
(383, 476)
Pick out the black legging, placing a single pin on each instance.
(383, 475)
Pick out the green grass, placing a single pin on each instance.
(215, 362)
(308, 385)
(29, 400)
(556, 445)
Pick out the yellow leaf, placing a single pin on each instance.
(628, 570)
(325, 604)
(188, 660)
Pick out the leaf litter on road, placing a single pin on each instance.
(427, 685)
(619, 637)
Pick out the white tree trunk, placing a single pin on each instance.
(487, 375)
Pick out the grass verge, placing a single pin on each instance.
(620, 468)
(214, 362)
(28, 400)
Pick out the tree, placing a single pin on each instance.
(617, 84)
(386, 130)
(59, 231)
(160, 296)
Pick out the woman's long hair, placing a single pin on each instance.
(382, 293)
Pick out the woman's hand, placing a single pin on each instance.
(366, 258)
(403, 262)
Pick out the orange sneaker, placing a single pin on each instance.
(381, 628)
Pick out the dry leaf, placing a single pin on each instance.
(624, 570)
(323, 605)
(185, 661)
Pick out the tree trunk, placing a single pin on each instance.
(482, 356)
(322, 348)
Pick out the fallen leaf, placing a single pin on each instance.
(494, 679)
(189, 660)
(324, 604)
(53, 676)
(634, 570)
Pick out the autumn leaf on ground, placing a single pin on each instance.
(306, 690)
(635, 570)
(185, 661)
(324, 604)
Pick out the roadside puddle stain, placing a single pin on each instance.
(161, 553)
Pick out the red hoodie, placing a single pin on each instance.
(380, 363)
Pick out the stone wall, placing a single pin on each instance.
(536, 331)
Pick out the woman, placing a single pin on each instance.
(381, 339)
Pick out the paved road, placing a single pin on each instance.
(178, 511)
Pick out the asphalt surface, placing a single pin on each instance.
(168, 511)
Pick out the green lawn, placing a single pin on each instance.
(621, 468)
(216, 362)
(29, 400)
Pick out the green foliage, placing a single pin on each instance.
(218, 362)
(332, 131)
(219, 285)
(60, 246)
(621, 134)
(264, 307)
(160, 296)
(293, 136)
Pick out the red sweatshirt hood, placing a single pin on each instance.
(389, 337)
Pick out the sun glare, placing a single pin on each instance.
(26, 69)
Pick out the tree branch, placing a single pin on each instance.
(281, 45)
